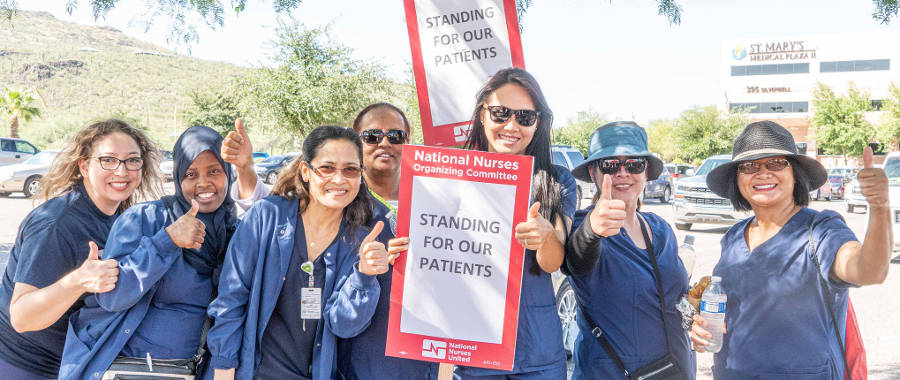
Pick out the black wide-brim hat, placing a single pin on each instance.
(619, 138)
(758, 140)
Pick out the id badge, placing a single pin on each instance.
(311, 303)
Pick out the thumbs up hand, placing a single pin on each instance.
(95, 275)
(373, 257)
(873, 183)
(534, 232)
(236, 147)
(608, 216)
(188, 231)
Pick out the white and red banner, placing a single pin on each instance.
(455, 292)
(457, 45)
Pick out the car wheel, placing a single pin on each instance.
(828, 198)
(31, 186)
(271, 177)
(683, 226)
(566, 307)
(667, 195)
(849, 208)
(4, 194)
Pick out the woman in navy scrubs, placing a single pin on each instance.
(511, 116)
(779, 323)
(169, 253)
(610, 269)
(56, 259)
(300, 270)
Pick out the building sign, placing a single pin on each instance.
(766, 90)
(776, 51)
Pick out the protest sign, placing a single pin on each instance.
(455, 292)
(457, 45)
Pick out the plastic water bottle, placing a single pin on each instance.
(687, 254)
(712, 309)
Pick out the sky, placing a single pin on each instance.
(615, 57)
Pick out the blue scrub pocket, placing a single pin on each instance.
(817, 373)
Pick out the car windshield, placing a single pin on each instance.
(711, 164)
(892, 169)
(42, 158)
(273, 159)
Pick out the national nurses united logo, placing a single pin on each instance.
(434, 349)
(461, 132)
(739, 53)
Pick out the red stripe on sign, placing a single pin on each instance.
(415, 45)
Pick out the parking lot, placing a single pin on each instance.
(877, 307)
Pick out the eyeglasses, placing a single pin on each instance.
(328, 171)
(374, 136)
(501, 114)
(632, 165)
(112, 163)
(773, 165)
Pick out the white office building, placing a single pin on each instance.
(774, 78)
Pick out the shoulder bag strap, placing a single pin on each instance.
(601, 338)
(829, 299)
(657, 277)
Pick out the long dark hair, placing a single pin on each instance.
(291, 185)
(545, 186)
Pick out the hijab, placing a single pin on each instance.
(220, 224)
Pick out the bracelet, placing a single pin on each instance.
(687, 313)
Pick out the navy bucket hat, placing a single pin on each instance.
(619, 138)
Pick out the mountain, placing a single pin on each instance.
(80, 73)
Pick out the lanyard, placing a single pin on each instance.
(384, 202)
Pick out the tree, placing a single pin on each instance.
(216, 109)
(17, 106)
(889, 129)
(661, 136)
(314, 81)
(701, 132)
(577, 132)
(839, 121)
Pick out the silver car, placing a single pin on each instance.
(25, 177)
(695, 203)
(14, 151)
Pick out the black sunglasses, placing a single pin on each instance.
(374, 136)
(501, 114)
(773, 165)
(611, 166)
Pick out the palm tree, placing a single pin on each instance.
(17, 105)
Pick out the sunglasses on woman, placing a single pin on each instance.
(501, 114)
(374, 136)
(773, 165)
(611, 166)
(327, 171)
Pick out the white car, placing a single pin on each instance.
(25, 177)
(892, 170)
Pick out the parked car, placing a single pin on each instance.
(25, 177)
(680, 171)
(260, 156)
(843, 171)
(822, 193)
(892, 170)
(568, 157)
(838, 182)
(853, 197)
(660, 188)
(269, 168)
(166, 164)
(695, 203)
(566, 308)
(13, 151)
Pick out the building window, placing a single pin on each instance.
(783, 68)
(771, 107)
(860, 65)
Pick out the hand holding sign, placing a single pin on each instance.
(873, 183)
(188, 231)
(536, 231)
(373, 258)
(95, 275)
(608, 215)
(396, 246)
(236, 148)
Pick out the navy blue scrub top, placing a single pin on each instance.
(778, 326)
(621, 296)
(174, 321)
(287, 350)
(52, 241)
